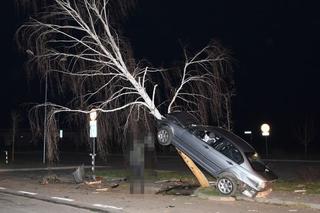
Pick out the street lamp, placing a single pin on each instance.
(265, 131)
(93, 135)
(45, 131)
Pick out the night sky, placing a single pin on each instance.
(275, 46)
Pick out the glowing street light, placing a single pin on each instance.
(265, 131)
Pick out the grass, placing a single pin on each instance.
(291, 186)
(158, 175)
(153, 175)
(113, 173)
(209, 191)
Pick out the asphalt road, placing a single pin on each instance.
(18, 204)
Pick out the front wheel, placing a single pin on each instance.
(227, 185)
(164, 135)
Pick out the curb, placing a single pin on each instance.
(273, 201)
(49, 168)
(276, 201)
(44, 198)
(215, 198)
(202, 195)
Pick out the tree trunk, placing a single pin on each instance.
(195, 170)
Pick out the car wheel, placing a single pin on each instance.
(227, 185)
(164, 136)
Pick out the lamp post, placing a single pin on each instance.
(45, 131)
(265, 131)
(93, 135)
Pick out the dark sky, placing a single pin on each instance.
(275, 44)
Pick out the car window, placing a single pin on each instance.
(219, 144)
(199, 133)
(228, 150)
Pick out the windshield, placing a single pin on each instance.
(255, 161)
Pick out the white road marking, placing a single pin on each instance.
(2, 188)
(107, 206)
(28, 193)
(62, 198)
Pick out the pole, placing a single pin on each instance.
(7, 158)
(45, 121)
(93, 155)
(93, 135)
(266, 146)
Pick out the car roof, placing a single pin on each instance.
(187, 120)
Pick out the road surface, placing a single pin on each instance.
(18, 204)
(146, 204)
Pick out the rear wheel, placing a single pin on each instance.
(164, 135)
(227, 185)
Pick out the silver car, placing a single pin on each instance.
(230, 159)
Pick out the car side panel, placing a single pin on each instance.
(199, 151)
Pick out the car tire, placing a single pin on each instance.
(227, 185)
(164, 135)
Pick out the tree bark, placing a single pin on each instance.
(195, 170)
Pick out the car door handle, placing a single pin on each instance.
(206, 147)
(229, 162)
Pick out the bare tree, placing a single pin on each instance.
(206, 86)
(305, 133)
(15, 119)
(77, 47)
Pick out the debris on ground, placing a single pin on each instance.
(176, 187)
(102, 189)
(300, 191)
(114, 185)
(79, 174)
(162, 181)
(119, 179)
(96, 182)
(50, 179)
(99, 178)
(264, 194)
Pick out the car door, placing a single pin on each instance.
(209, 156)
(200, 151)
(224, 154)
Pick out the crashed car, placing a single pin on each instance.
(227, 157)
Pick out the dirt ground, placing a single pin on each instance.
(117, 193)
